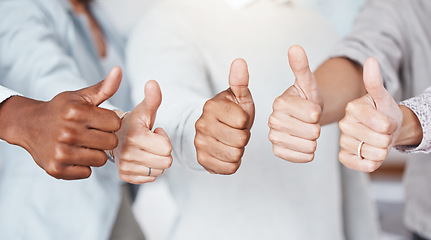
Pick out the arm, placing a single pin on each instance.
(197, 117)
(372, 124)
(378, 32)
(339, 81)
(416, 125)
(36, 63)
(170, 57)
(411, 129)
(66, 135)
(380, 123)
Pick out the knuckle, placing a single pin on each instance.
(273, 137)
(124, 177)
(350, 107)
(244, 137)
(371, 167)
(126, 169)
(385, 126)
(209, 105)
(229, 169)
(315, 113)
(125, 156)
(386, 140)
(272, 121)
(312, 146)
(278, 152)
(308, 158)
(100, 160)
(112, 141)
(381, 154)
(67, 135)
(116, 122)
(242, 120)
(342, 125)
(236, 154)
(341, 157)
(203, 161)
(60, 155)
(167, 148)
(199, 141)
(343, 142)
(72, 112)
(167, 163)
(54, 169)
(315, 131)
(131, 141)
(278, 104)
(201, 125)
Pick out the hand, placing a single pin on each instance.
(375, 119)
(142, 155)
(67, 135)
(294, 122)
(223, 130)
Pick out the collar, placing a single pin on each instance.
(241, 4)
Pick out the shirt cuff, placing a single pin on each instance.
(6, 93)
(420, 107)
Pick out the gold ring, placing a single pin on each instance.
(359, 153)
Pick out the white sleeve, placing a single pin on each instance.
(6, 93)
(34, 61)
(163, 49)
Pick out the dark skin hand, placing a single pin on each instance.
(67, 135)
(223, 130)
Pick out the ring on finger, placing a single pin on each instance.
(359, 151)
(149, 172)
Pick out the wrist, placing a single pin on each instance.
(15, 113)
(113, 154)
(411, 133)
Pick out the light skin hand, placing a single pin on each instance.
(67, 135)
(294, 122)
(223, 130)
(140, 148)
(375, 119)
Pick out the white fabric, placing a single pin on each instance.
(6, 93)
(187, 46)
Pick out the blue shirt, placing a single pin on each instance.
(46, 49)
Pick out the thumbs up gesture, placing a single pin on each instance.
(371, 125)
(294, 122)
(143, 154)
(67, 135)
(223, 130)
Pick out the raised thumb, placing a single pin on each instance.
(147, 109)
(238, 80)
(304, 78)
(238, 84)
(103, 90)
(374, 85)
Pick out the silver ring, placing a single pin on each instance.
(149, 172)
(359, 153)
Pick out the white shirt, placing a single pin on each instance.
(187, 46)
(6, 93)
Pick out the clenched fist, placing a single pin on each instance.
(371, 125)
(67, 135)
(294, 122)
(143, 154)
(223, 130)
